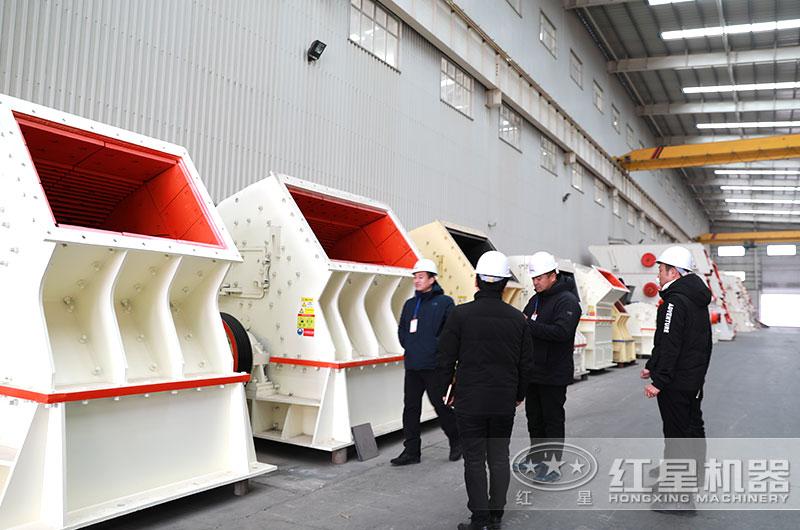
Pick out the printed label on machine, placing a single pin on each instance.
(305, 318)
(461, 300)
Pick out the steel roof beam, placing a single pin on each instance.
(660, 109)
(760, 180)
(702, 60)
(575, 4)
(719, 238)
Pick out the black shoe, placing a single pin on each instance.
(686, 509)
(404, 459)
(472, 526)
(494, 522)
(455, 452)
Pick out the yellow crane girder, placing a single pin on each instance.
(731, 238)
(689, 155)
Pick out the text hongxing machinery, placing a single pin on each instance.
(117, 385)
(316, 302)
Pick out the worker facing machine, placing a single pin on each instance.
(486, 346)
(552, 314)
(680, 359)
(421, 322)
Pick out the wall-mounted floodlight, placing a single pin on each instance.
(316, 49)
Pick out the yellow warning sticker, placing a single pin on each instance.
(305, 318)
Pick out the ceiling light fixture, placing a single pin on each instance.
(760, 188)
(765, 201)
(756, 172)
(740, 88)
(731, 30)
(662, 2)
(766, 212)
(748, 124)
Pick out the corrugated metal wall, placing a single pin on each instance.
(230, 81)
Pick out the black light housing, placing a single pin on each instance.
(315, 50)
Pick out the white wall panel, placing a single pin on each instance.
(230, 81)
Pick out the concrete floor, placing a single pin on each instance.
(750, 385)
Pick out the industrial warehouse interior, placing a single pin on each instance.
(215, 217)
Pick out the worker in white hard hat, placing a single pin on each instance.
(553, 314)
(679, 362)
(486, 346)
(421, 322)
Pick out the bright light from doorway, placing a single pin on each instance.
(731, 30)
(748, 124)
(729, 251)
(740, 88)
(780, 310)
(781, 250)
(739, 274)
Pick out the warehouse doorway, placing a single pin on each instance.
(780, 310)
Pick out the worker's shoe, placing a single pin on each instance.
(455, 452)
(495, 522)
(404, 459)
(686, 509)
(543, 476)
(472, 526)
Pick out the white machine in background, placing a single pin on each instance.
(599, 291)
(740, 306)
(117, 386)
(636, 265)
(623, 341)
(520, 268)
(317, 297)
(455, 250)
(642, 326)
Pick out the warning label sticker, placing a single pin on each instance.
(461, 300)
(305, 318)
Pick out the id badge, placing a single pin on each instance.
(412, 327)
(533, 316)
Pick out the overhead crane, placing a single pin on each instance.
(705, 154)
(730, 238)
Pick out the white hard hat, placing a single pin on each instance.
(493, 266)
(676, 256)
(425, 265)
(541, 263)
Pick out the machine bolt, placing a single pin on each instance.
(199, 274)
(140, 338)
(249, 220)
(153, 271)
(81, 283)
(202, 363)
(153, 367)
(96, 265)
(137, 287)
(97, 370)
(185, 290)
(189, 336)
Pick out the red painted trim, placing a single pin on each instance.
(336, 365)
(580, 346)
(597, 320)
(234, 347)
(102, 393)
(649, 329)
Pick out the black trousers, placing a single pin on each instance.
(684, 430)
(485, 439)
(416, 383)
(544, 407)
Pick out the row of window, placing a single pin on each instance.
(772, 250)
(378, 31)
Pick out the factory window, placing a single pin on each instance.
(376, 30)
(652, 230)
(615, 118)
(547, 33)
(597, 96)
(516, 5)
(575, 69)
(615, 203)
(631, 215)
(599, 191)
(781, 250)
(577, 171)
(456, 89)
(739, 274)
(642, 223)
(510, 126)
(549, 154)
(629, 136)
(728, 251)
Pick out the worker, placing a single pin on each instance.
(553, 314)
(679, 361)
(421, 322)
(486, 346)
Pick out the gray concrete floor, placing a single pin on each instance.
(749, 393)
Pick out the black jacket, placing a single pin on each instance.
(682, 344)
(420, 347)
(553, 331)
(491, 343)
